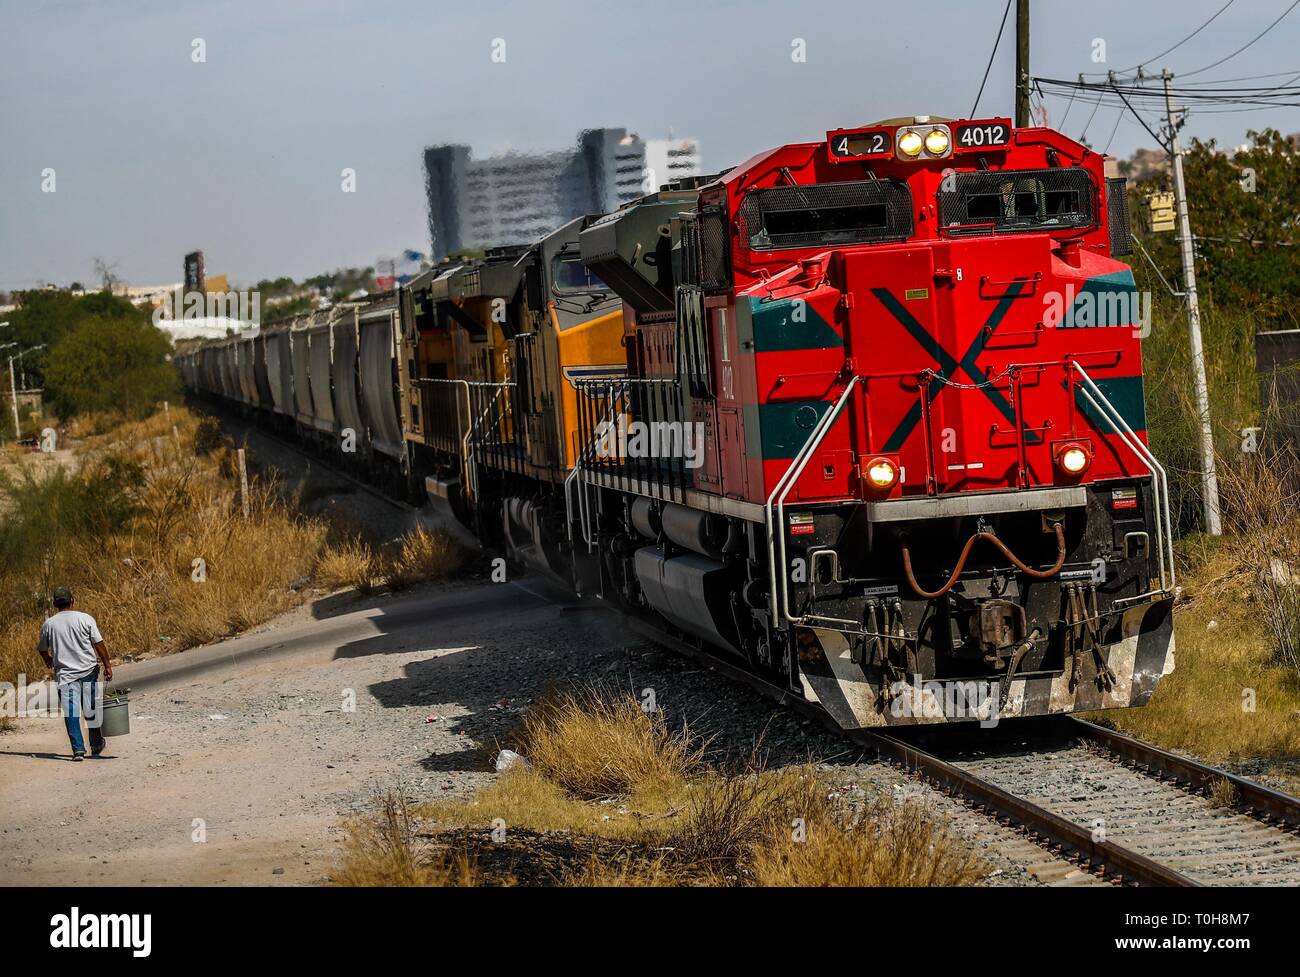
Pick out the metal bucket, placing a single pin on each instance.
(117, 716)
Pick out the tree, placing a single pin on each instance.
(1247, 256)
(107, 273)
(110, 365)
(45, 316)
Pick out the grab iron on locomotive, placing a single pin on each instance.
(862, 415)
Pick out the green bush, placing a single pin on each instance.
(119, 365)
(54, 524)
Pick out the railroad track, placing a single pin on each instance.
(231, 419)
(1125, 811)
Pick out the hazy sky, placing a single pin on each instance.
(155, 155)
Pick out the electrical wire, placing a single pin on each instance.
(1001, 27)
(1220, 81)
(1141, 64)
(1111, 94)
(1119, 117)
(1188, 74)
(1084, 134)
(1066, 115)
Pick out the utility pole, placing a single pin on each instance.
(1209, 477)
(11, 386)
(1022, 63)
(13, 394)
(13, 390)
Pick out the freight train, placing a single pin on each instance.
(863, 416)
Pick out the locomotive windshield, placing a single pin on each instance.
(853, 212)
(1023, 200)
(571, 275)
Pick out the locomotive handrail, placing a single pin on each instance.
(580, 469)
(584, 516)
(464, 385)
(604, 431)
(776, 505)
(468, 462)
(471, 442)
(1160, 481)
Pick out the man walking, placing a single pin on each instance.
(71, 644)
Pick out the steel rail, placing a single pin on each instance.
(1045, 827)
(1265, 803)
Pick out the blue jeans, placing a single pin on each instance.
(75, 697)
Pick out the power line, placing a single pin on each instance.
(1220, 81)
(1140, 119)
(1188, 74)
(1140, 64)
(1119, 117)
(992, 55)
(1278, 96)
(1211, 94)
(1066, 115)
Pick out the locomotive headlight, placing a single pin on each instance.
(881, 473)
(936, 142)
(1073, 459)
(910, 143)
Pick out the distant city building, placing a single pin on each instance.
(517, 198)
(671, 159)
(1143, 165)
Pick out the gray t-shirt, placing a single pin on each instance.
(70, 636)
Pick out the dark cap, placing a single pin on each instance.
(62, 595)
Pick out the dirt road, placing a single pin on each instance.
(243, 758)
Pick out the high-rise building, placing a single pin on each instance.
(671, 159)
(516, 198)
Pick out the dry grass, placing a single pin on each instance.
(185, 568)
(173, 502)
(1261, 505)
(1227, 698)
(1235, 691)
(730, 817)
(886, 844)
(596, 746)
(419, 556)
(349, 563)
(631, 871)
(619, 779)
(383, 850)
(1224, 793)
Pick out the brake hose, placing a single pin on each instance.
(965, 553)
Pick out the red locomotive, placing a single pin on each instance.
(920, 487)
